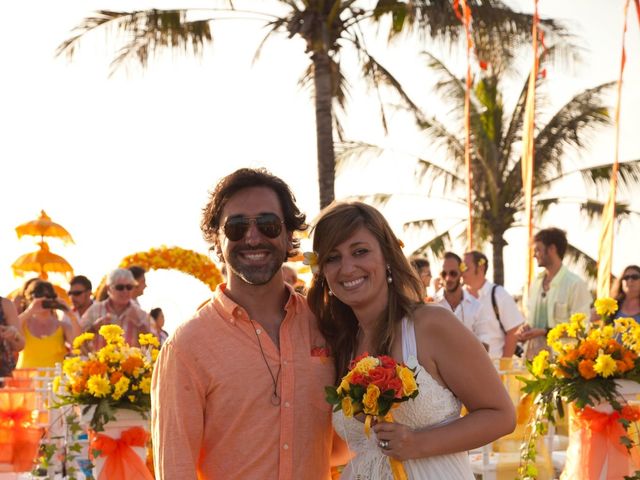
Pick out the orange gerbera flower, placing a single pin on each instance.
(585, 367)
(79, 386)
(589, 349)
(569, 357)
(115, 376)
(130, 364)
(622, 366)
(95, 368)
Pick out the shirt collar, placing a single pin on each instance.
(232, 312)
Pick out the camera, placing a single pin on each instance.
(50, 303)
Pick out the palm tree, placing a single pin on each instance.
(496, 134)
(326, 26)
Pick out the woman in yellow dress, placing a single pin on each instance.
(48, 334)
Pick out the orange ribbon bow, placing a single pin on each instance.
(121, 462)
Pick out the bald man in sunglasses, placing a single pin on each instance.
(238, 390)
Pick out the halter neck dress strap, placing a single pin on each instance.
(409, 347)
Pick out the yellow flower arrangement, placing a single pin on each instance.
(116, 376)
(580, 367)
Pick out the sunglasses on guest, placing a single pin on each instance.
(74, 293)
(121, 287)
(450, 273)
(631, 276)
(269, 225)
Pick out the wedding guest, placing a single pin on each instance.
(141, 282)
(48, 333)
(367, 298)
(157, 322)
(19, 300)
(80, 294)
(11, 339)
(117, 309)
(626, 291)
(238, 390)
(555, 294)
(422, 268)
(504, 316)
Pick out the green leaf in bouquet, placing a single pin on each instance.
(357, 392)
(331, 395)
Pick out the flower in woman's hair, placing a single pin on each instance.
(482, 261)
(80, 339)
(463, 267)
(606, 306)
(311, 259)
(400, 243)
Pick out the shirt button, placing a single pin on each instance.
(258, 331)
(287, 404)
(285, 362)
(285, 446)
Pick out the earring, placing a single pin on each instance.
(330, 293)
(389, 277)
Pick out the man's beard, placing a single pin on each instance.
(256, 274)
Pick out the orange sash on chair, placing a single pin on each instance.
(121, 462)
(594, 440)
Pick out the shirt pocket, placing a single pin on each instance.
(321, 373)
(560, 312)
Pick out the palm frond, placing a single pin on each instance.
(593, 209)
(583, 261)
(599, 176)
(347, 152)
(379, 200)
(428, 168)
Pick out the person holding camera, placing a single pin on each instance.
(48, 331)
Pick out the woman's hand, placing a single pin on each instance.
(397, 440)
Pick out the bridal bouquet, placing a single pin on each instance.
(116, 376)
(372, 386)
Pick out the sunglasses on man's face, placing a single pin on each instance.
(450, 273)
(122, 287)
(631, 276)
(74, 293)
(269, 225)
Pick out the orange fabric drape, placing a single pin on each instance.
(463, 12)
(528, 154)
(605, 252)
(595, 441)
(121, 462)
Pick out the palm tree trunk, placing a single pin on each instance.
(324, 126)
(497, 244)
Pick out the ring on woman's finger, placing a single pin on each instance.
(384, 444)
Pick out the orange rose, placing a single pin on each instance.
(585, 367)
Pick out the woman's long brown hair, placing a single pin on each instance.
(336, 320)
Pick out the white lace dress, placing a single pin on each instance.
(434, 405)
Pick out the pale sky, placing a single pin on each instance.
(125, 163)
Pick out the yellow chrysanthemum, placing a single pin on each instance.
(556, 333)
(110, 353)
(605, 365)
(112, 333)
(145, 385)
(56, 384)
(120, 388)
(154, 354)
(99, 385)
(132, 398)
(606, 306)
(83, 337)
(148, 339)
(540, 363)
(578, 318)
(366, 364)
(72, 365)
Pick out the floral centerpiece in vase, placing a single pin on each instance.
(595, 369)
(373, 386)
(112, 386)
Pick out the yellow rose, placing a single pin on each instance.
(408, 380)
(370, 400)
(347, 406)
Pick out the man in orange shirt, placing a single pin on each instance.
(238, 390)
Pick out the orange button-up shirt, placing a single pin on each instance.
(212, 415)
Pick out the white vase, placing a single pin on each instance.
(125, 419)
(579, 445)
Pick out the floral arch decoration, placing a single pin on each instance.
(176, 258)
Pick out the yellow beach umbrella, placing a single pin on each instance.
(41, 262)
(44, 227)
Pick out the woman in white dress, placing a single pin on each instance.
(368, 299)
